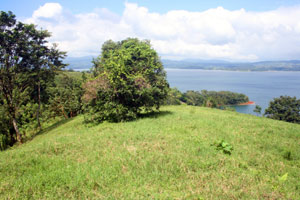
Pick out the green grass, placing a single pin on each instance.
(171, 155)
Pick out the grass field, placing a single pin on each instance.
(170, 155)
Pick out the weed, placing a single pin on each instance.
(224, 146)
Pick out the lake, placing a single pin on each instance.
(260, 87)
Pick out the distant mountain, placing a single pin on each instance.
(79, 63)
(292, 65)
(85, 63)
(204, 61)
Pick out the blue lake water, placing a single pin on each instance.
(260, 87)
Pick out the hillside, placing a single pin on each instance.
(170, 155)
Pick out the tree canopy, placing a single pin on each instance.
(206, 98)
(25, 59)
(128, 78)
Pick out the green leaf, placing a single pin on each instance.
(283, 178)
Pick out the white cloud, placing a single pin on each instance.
(49, 10)
(213, 34)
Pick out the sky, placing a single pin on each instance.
(232, 30)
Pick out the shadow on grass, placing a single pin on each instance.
(49, 128)
(154, 114)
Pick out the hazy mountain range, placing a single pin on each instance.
(85, 63)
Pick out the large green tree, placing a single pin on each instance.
(25, 59)
(129, 78)
(284, 108)
(46, 62)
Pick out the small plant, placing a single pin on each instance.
(287, 155)
(224, 146)
(283, 178)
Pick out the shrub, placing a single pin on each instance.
(174, 96)
(128, 79)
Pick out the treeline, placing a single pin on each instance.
(60, 98)
(127, 79)
(33, 87)
(205, 98)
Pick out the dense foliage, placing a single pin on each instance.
(65, 95)
(174, 97)
(6, 131)
(205, 98)
(27, 65)
(284, 108)
(128, 79)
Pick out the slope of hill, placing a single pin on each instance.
(181, 153)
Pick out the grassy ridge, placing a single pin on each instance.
(171, 155)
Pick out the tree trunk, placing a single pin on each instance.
(19, 138)
(63, 112)
(39, 106)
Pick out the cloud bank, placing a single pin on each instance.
(213, 34)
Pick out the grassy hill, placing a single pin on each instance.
(170, 155)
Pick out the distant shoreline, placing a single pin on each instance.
(198, 69)
(247, 103)
(84, 63)
(229, 70)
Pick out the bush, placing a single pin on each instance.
(284, 108)
(128, 79)
(174, 96)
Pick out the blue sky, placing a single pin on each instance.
(24, 8)
(228, 30)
